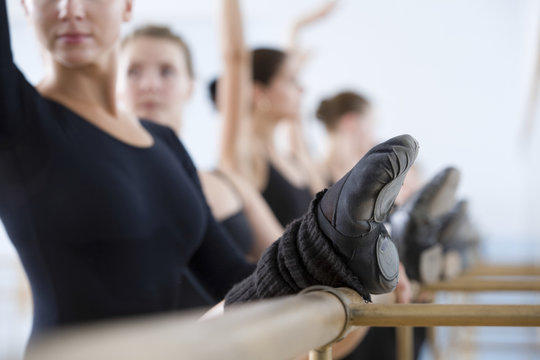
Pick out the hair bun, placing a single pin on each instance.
(324, 111)
(330, 110)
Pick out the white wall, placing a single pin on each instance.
(453, 73)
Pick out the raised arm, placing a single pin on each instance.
(233, 95)
(6, 58)
(297, 140)
(301, 23)
(13, 85)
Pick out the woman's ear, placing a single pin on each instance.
(256, 92)
(260, 99)
(128, 10)
(347, 122)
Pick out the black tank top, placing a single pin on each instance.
(287, 201)
(237, 225)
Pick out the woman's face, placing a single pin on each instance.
(364, 126)
(282, 97)
(359, 128)
(154, 80)
(78, 32)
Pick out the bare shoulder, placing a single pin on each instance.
(220, 195)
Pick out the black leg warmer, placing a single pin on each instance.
(302, 257)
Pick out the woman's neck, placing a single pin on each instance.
(176, 124)
(264, 127)
(88, 86)
(343, 154)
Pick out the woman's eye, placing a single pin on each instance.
(134, 72)
(167, 71)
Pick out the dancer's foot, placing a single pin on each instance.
(416, 226)
(351, 213)
(457, 237)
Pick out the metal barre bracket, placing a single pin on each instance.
(344, 302)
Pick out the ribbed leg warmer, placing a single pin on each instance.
(302, 257)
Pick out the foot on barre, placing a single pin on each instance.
(457, 237)
(416, 226)
(341, 241)
(352, 212)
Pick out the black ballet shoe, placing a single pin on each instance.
(351, 213)
(470, 242)
(450, 225)
(416, 226)
(457, 237)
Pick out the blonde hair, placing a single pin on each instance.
(164, 33)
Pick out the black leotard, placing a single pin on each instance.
(239, 231)
(287, 201)
(193, 293)
(103, 229)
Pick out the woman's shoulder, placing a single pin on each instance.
(163, 133)
(166, 135)
(220, 194)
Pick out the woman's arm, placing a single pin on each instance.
(297, 140)
(233, 95)
(217, 263)
(14, 86)
(228, 193)
(300, 24)
(300, 152)
(6, 58)
(266, 228)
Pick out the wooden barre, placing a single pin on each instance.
(281, 328)
(502, 270)
(480, 285)
(427, 315)
(272, 329)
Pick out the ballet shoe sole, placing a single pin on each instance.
(430, 265)
(453, 265)
(445, 198)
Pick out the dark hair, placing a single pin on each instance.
(161, 32)
(333, 108)
(212, 91)
(266, 63)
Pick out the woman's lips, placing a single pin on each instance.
(149, 106)
(73, 39)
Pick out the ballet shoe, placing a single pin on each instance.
(459, 240)
(352, 212)
(416, 226)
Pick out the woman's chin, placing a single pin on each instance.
(73, 62)
(76, 58)
(148, 115)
